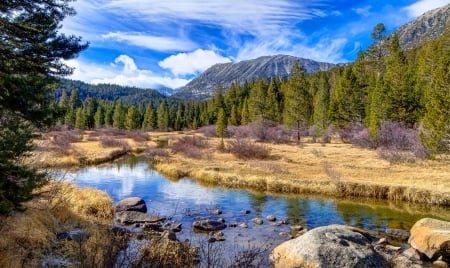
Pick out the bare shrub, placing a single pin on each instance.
(191, 146)
(326, 136)
(112, 142)
(362, 138)
(138, 136)
(61, 141)
(208, 131)
(246, 149)
(155, 154)
(394, 155)
(262, 130)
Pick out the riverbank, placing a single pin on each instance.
(335, 169)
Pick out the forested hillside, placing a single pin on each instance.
(385, 84)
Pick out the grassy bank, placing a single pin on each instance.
(29, 239)
(333, 169)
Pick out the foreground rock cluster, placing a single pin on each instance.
(344, 246)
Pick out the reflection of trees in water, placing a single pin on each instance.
(257, 201)
(297, 209)
(132, 161)
(375, 217)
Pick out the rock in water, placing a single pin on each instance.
(432, 238)
(209, 225)
(328, 246)
(131, 204)
(132, 217)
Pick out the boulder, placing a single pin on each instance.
(328, 246)
(209, 225)
(132, 217)
(397, 234)
(131, 204)
(432, 238)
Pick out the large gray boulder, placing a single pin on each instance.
(328, 246)
(132, 217)
(131, 204)
(432, 238)
(209, 225)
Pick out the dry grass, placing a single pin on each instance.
(96, 147)
(29, 238)
(334, 169)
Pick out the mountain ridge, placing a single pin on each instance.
(205, 84)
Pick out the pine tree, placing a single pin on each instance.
(118, 117)
(221, 125)
(272, 101)
(80, 121)
(132, 118)
(321, 104)
(245, 114)
(298, 101)
(149, 122)
(399, 85)
(378, 105)
(436, 123)
(99, 117)
(257, 106)
(163, 116)
(32, 51)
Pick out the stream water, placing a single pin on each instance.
(184, 200)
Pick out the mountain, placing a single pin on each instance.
(127, 95)
(204, 85)
(427, 27)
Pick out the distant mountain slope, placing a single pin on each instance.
(128, 95)
(204, 85)
(428, 26)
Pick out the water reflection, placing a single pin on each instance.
(133, 177)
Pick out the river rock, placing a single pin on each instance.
(175, 227)
(132, 217)
(131, 204)
(243, 225)
(432, 238)
(258, 221)
(397, 234)
(271, 218)
(328, 246)
(216, 211)
(209, 225)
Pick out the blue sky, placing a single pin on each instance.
(154, 43)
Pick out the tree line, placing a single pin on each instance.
(385, 83)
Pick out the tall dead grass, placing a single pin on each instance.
(29, 239)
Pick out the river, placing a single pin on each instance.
(184, 200)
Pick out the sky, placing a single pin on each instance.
(167, 43)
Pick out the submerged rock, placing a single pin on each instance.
(132, 217)
(209, 225)
(397, 234)
(131, 204)
(432, 238)
(328, 246)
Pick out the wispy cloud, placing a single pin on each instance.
(123, 71)
(363, 11)
(193, 62)
(157, 43)
(423, 6)
(251, 16)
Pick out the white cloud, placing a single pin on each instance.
(193, 62)
(123, 71)
(363, 11)
(423, 6)
(151, 42)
